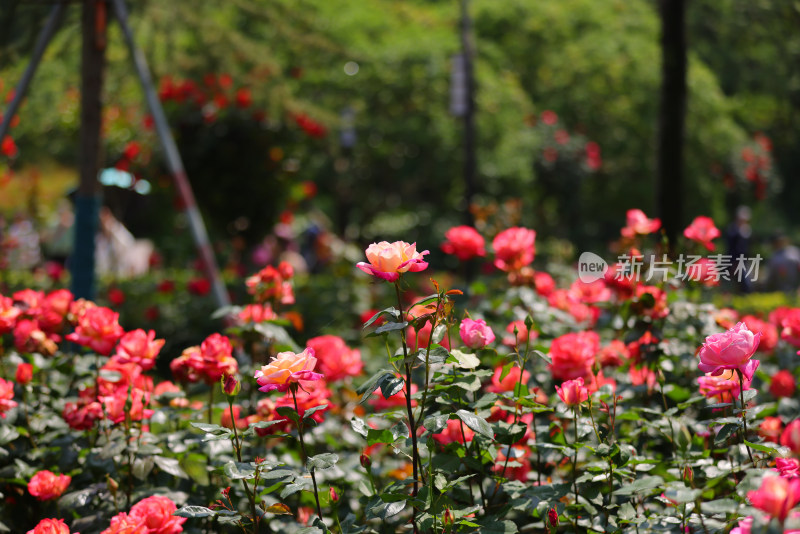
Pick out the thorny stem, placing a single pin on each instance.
(238, 447)
(413, 427)
(293, 389)
(744, 416)
(516, 412)
(575, 458)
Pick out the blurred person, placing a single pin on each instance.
(24, 251)
(737, 238)
(60, 235)
(784, 266)
(117, 252)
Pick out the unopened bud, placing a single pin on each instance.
(448, 518)
(688, 474)
(230, 386)
(552, 517)
(112, 486)
(334, 495)
(366, 463)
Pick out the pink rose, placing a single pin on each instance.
(464, 242)
(543, 283)
(703, 231)
(98, 328)
(788, 467)
(791, 436)
(637, 223)
(572, 355)
(475, 334)
(335, 359)
(46, 485)
(24, 374)
(782, 384)
(791, 327)
(50, 526)
(514, 248)
(724, 387)
(776, 496)
(389, 260)
(287, 368)
(730, 350)
(6, 396)
(572, 392)
(8, 314)
(140, 347)
(156, 513)
(123, 523)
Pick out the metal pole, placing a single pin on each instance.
(173, 158)
(42, 41)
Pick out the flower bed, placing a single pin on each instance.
(511, 405)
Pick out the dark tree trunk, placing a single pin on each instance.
(470, 163)
(672, 113)
(87, 199)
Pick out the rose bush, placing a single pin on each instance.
(608, 407)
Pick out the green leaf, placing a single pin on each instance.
(391, 386)
(720, 506)
(359, 426)
(366, 389)
(311, 411)
(493, 526)
(643, 484)
(216, 431)
(322, 461)
(391, 312)
(435, 423)
(171, 466)
(437, 354)
(194, 512)
(767, 447)
(476, 423)
(142, 467)
(726, 432)
(464, 360)
(239, 470)
(251, 429)
(289, 412)
(388, 327)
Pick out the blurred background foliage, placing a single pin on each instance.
(354, 97)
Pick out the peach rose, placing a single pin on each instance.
(156, 513)
(572, 392)
(389, 260)
(50, 526)
(287, 368)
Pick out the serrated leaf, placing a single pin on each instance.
(143, 466)
(388, 327)
(476, 423)
(726, 432)
(311, 411)
(769, 448)
(251, 428)
(391, 312)
(464, 360)
(391, 386)
(212, 429)
(325, 460)
(366, 389)
(171, 466)
(194, 512)
(359, 426)
(435, 423)
(640, 485)
(239, 470)
(288, 412)
(375, 436)
(720, 506)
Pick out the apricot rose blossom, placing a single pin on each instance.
(287, 368)
(389, 260)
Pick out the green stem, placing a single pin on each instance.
(415, 461)
(293, 389)
(575, 458)
(237, 445)
(744, 416)
(211, 403)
